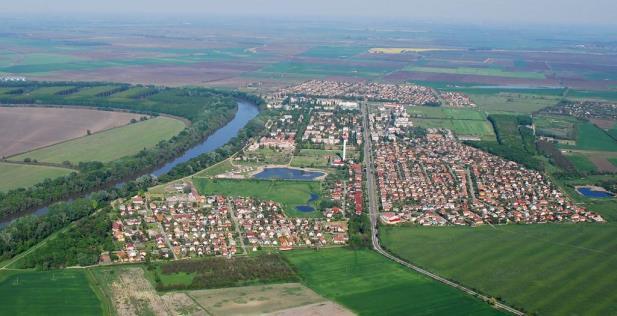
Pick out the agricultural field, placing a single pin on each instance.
(561, 269)
(581, 163)
(370, 284)
(492, 72)
(287, 192)
(27, 128)
(590, 137)
(14, 176)
(109, 145)
(56, 292)
(513, 102)
(403, 50)
(259, 299)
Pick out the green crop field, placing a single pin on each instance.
(590, 137)
(13, 176)
(289, 193)
(493, 72)
(370, 284)
(335, 52)
(513, 102)
(56, 292)
(482, 129)
(552, 269)
(109, 145)
(325, 70)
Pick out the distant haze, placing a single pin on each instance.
(564, 12)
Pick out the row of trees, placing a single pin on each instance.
(221, 272)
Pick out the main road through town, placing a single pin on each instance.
(372, 205)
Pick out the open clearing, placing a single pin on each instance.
(551, 269)
(289, 193)
(109, 145)
(13, 176)
(590, 137)
(463, 122)
(57, 292)
(27, 128)
(256, 300)
(370, 284)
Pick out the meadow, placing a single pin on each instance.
(559, 126)
(109, 145)
(57, 292)
(289, 193)
(13, 176)
(550, 269)
(370, 284)
(582, 163)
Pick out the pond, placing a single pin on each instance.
(594, 192)
(283, 173)
(308, 208)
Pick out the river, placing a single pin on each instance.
(246, 112)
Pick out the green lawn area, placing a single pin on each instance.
(493, 72)
(582, 163)
(370, 284)
(289, 193)
(551, 269)
(513, 102)
(13, 176)
(219, 168)
(57, 292)
(590, 137)
(109, 145)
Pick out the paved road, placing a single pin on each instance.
(372, 204)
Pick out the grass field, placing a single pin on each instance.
(369, 284)
(13, 176)
(109, 145)
(551, 269)
(559, 126)
(289, 193)
(402, 50)
(513, 102)
(324, 70)
(493, 72)
(463, 122)
(319, 158)
(57, 292)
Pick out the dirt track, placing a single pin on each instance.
(25, 128)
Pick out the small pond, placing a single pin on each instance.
(308, 208)
(594, 192)
(283, 173)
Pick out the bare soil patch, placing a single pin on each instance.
(257, 300)
(27, 128)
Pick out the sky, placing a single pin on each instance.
(564, 12)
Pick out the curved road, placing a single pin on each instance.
(372, 204)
